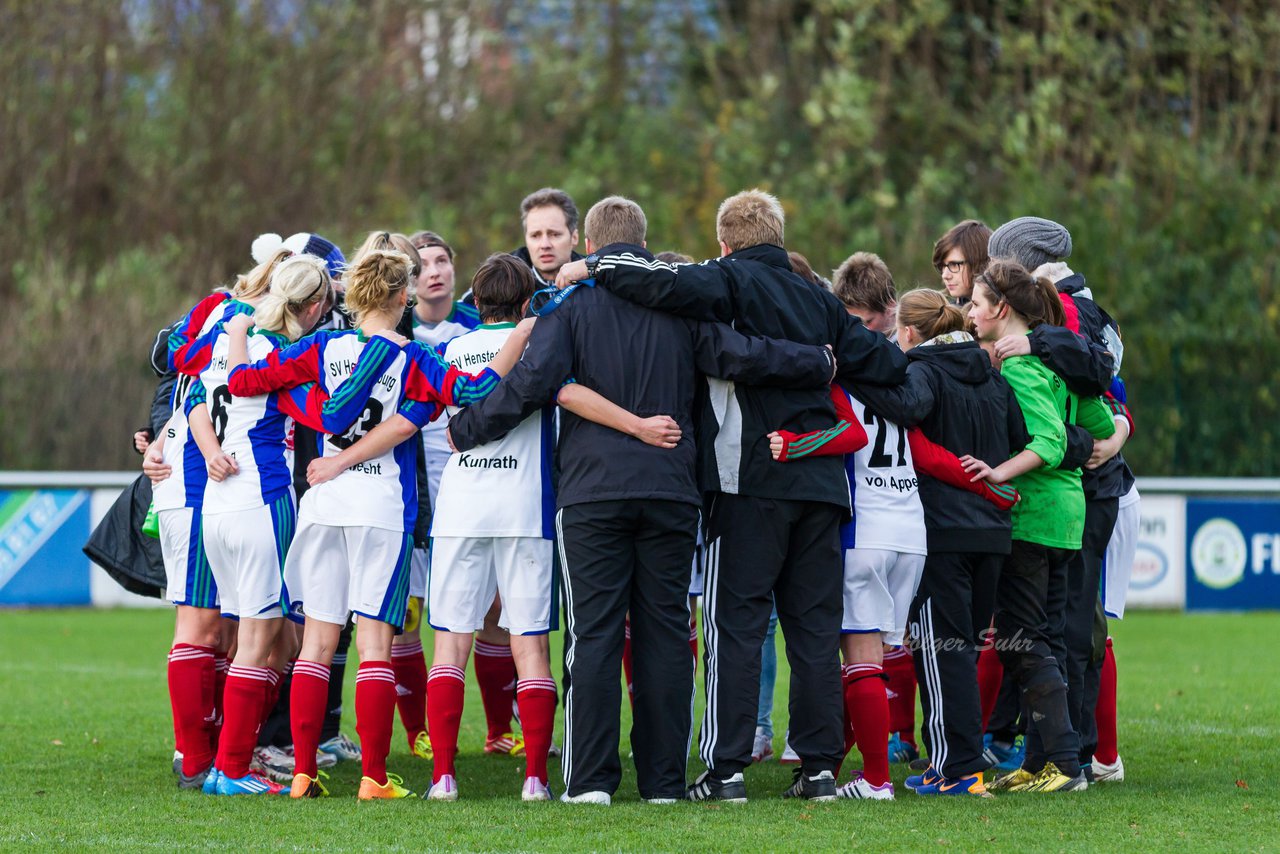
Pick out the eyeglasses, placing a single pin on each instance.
(953, 266)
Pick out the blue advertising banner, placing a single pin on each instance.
(41, 532)
(1233, 554)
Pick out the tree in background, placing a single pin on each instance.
(144, 143)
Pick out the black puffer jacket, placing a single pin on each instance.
(959, 401)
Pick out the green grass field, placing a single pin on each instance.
(85, 745)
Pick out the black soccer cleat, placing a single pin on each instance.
(730, 790)
(812, 787)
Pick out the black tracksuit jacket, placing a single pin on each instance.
(645, 361)
(962, 403)
(756, 290)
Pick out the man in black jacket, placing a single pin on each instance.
(773, 529)
(628, 512)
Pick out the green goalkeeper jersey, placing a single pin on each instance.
(1051, 511)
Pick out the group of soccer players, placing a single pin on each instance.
(924, 488)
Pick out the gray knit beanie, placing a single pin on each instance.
(1031, 241)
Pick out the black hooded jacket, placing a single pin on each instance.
(959, 401)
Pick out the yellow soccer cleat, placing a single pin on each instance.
(1014, 781)
(508, 743)
(1050, 779)
(422, 746)
(308, 787)
(371, 790)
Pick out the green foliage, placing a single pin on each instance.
(143, 146)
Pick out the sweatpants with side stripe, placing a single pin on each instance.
(761, 551)
(952, 607)
(619, 556)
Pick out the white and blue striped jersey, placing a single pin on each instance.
(185, 485)
(502, 488)
(256, 431)
(885, 492)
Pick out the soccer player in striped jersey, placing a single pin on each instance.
(437, 319)
(353, 538)
(249, 513)
(482, 547)
(197, 661)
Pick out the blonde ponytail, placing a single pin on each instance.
(255, 283)
(929, 313)
(375, 280)
(296, 284)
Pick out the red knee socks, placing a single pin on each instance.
(375, 714)
(445, 689)
(866, 704)
(307, 699)
(244, 696)
(626, 661)
(990, 675)
(496, 673)
(537, 701)
(901, 673)
(191, 680)
(1105, 715)
(411, 688)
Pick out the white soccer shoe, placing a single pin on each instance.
(858, 788)
(1104, 773)
(603, 799)
(273, 763)
(762, 747)
(789, 756)
(445, 789)
(535, 790)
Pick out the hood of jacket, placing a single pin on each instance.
(966, 363)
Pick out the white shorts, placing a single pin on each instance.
(418, 573)
(333, 571)
(878, 588)
(467, 571)
(188, 578)
(247, 551)
(1118, 565)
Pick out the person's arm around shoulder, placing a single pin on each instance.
(533, 382)
(721, 351)
(864, 357)
(696, 291)
(661, 431)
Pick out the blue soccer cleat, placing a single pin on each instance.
(210, 786)
(900, 751)
(928, 778)
(969, 785)
(249, 784)
(1008, 757)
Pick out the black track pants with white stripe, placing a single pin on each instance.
(760, 551)
(951, 611)
(617, 556)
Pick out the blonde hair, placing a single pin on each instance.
(298, 283)
(750, 218)
(395, 242)
(256, 282)
(615, 219)
(864, 281)
(929, 313)
(375, 280)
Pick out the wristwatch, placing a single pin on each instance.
(592, 261)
